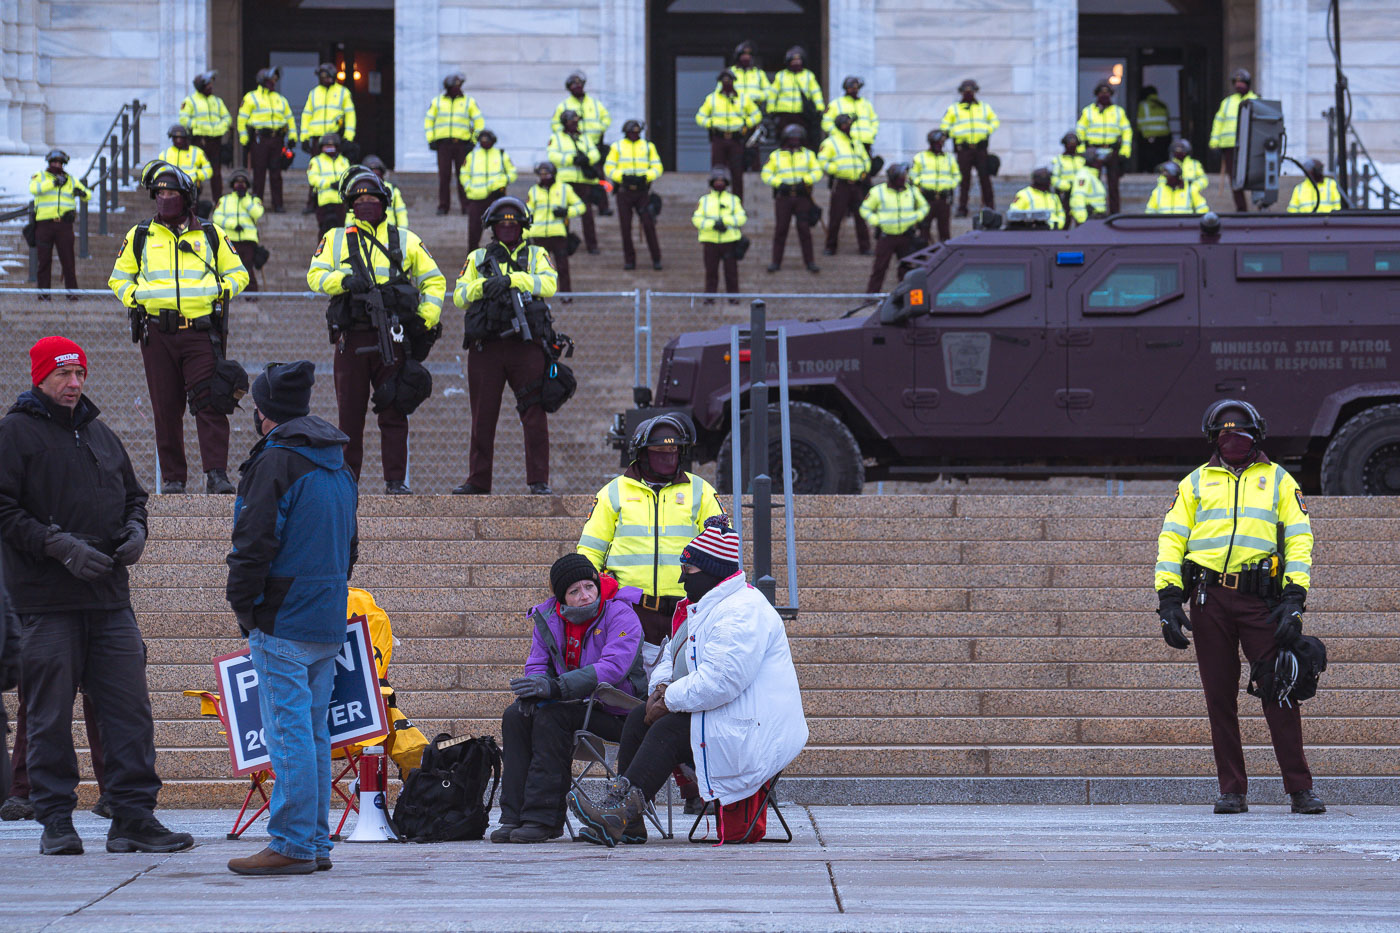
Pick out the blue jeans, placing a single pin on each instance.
(294, 689)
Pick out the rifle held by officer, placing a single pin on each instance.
(387, 329)
(519, 324)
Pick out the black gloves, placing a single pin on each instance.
(357, 283)
(78, 557)
(1173, 616)
(581, 160)
(434, 144)
(535, 686)
(306, 146)
(1287, 616)
(561, 212)
(720, 226)
(497, 287)
(133, 543)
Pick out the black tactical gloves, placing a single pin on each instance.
(496, 288)
(133, 543)
(561, 212)
(78, 557)
(1287, 617)
(720, 226)
(535, 686)
(581, 160)
(357, 283)
(1173, 617)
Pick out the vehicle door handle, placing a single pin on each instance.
(1074, 398)
(920, 398)
(1164, 344)
(1231, 385)
(1078, 337)
(921, 336)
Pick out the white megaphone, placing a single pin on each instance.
(372, 824)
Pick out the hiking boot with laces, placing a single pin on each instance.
(1305, 801)
(216, 483)
(60, 838)
(1231, 803)
(145, 834)
(16, 808)
(619, 810)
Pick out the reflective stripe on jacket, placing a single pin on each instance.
(1192, 173)
(561, 151)
(161, 280)
(51, 200)
(453, 118)
(265, 110)
(632, 158)
(728, 114)
(866, 124)
(792, 167)
(1305, 198)
(786, 91)
(751, 82)
(323, 173)
(714, 207)
(593, 117)
(1168, 200)
(1227, 117)
(1088, 194)
(1104, 128)
(935, 171)
(536, 275)
(541, 203)
(192, 161)
(1033, 199)
(842, 158)
(637, 533)
(969, 123)
(239, 216)
(484, 171)
(205, 115)
(1153, 118)
(1063, 170)
(330, 266)
(1217, 516)
(329, 110)
(893, 212)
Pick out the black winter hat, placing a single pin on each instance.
(282, 391)
(567, 571)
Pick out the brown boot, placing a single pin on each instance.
(268, 862)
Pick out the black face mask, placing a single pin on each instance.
(257, 423)
(697, 584)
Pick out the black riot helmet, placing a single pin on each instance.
(843, 121)
(330, 139)
(507, 209)
(57, 155)
(566, 117)
(1230, 414)
(631, 125)
(1171, 171)
(204, 79)
(1181, 148)
(1314, 168)
(1070, 139)
(745, 48)
(937, 138)
(1243, 75)
(852, 81)
(160, 175)
(178, 130)
(456, 79)
(268, 77)
(796, 51)
(793, 131)
(669, 430)
(359, 180)
(375, 164)
(326, 69)
(720, 173)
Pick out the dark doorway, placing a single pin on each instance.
(690, 40)
(1173, 45)
(296, 35)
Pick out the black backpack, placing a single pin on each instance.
(446, 799)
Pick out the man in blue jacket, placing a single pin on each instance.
(294, 545)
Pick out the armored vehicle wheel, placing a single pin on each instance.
(1363, 458)
(826, 459)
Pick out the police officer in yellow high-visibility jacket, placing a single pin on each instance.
(643, 519)
(848, 164)
(1173, 195)
(728, 115)
(451, 126)
(238, 213)
(329, 109)
(580, 167)
(632, 165)
(186, 157)
(1236, 545)
(969, 123)
(867, 124)
(265, 123)
(171, 275)
(56, 194)
(484, 176)
(894, 211)
(349, 262)
(1316, 193)
(792, 171)
(720, 217)
(1154, 127)
(324, 173)
(208, 120)
(398, 211)
(593, 121)
(551, 205)
(1087, 198)
(1065, 167)
(794, 93)
(936, 174)
(1038, 195)
(1191, 170)
(1224, 129)
(1104, 125)
(749, 79)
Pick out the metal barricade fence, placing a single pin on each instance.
(266, 326)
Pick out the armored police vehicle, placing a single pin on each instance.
(1033, 353)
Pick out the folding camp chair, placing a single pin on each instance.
(769, 799)
(595, 751)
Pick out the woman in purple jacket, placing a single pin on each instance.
(586, 635)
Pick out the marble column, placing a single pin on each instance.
(418, 74)
(21, 99)
(851, 24)
(184, 53)
(1282, 75)
(622, 66)
(1054, 73)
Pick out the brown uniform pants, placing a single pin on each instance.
(727, 149)
(1227, 158)
(1231, 620)
(213, 146)
(970, 156)
(715, 253)
(476, 209)
(1112, 169)
(785, 207)
(50, 235)
(558, 249)
(451, 153)
(357, 375)
(887, 247)
(490, 368)
(590, 230)
(175, 364)
(940, 209)
(845, 200)
(629, 202)
(19, 783)
(265, 154)
(245, 255)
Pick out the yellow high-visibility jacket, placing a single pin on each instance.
(330, 266)
(593, 117)
(542, 201)
(1216, 515)
(1306, 198)
(535, 275)
(329, 110)
(637, 533)
(719, 206)
(397, 214)
(1088, 194)
(52, 200)
(792, 167)
(728, 114)
(1168, 200)
(1192, 173)
(1105, 127)
(405, 742)
(894, 212)
(239, 216)
(843, 158)
(1063, 170)
(323, 173)
(751, 82)
(453, 118)
(1153, 118)
(866, 124)
(786, 90)
(265, 110)
(484, 171)
(561, 151)
(192, 161)
(632, 158)
(205, 115)
(1227, 120)
(935, 171)
(1033, 199)
(164, 278)
(969, 123)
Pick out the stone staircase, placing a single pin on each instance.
(950, 648)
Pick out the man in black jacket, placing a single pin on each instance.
(72, 519)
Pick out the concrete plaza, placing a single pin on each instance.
(850, 868)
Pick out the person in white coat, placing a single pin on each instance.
(725, 701)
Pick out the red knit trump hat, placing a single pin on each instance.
(715, 550)
(52, 352)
